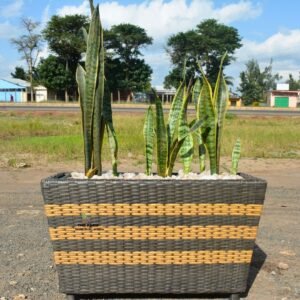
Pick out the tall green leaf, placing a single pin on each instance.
(202, 153)
(80, 78)
(112, 138)
(175, 112)
(149, 139)
(173, 154)
(186, 153)
(207, 111)
(98, 133)
(91, 64)
(85, 34)
(221, 98)
(113, 144)
(161, 139)
(184, 133)
(196, 92)
(92, 6)
(236, 154)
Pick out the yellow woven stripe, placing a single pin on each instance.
(152, 232)
(173, 209)
(153, 257)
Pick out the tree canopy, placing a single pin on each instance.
(53, 74)
(294, 84)
(206, 44)
(256, 82)
(125, 69)
(64, 36)
(19, 73)
(65, 39)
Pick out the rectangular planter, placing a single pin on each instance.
(152, 236)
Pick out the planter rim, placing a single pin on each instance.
(66, 177)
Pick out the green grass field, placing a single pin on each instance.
(56, 137)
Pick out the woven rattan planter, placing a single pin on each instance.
(152, 236)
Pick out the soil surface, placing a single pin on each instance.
(27, 270)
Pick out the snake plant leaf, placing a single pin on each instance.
(202, 153)
(183, 127)
(92, 6)
(112, 138)
(206, 110)
(85, 34)
(113, 144)
(91, 64)
(87, 134)
(161, 139)
(221, 97)
(173, 155)
(184, 134)
(175, 112)
(196, 124)
(80, 79)
(236, 154)
(97, 116)
(196, 92)
(186, 153)
(149, 139)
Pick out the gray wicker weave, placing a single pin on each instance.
(152, 236)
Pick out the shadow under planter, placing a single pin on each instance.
(153, 237)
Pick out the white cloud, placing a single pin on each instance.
(281, 44)
(82, 9)
(7, 30)
(11, 10)
(282, 48)
(161, 18)
(242, 10)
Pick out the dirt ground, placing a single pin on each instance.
(26, 265)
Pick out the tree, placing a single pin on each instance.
(255, 83)
(294, 84)
(19, 73)
(124, 68)
(29, 45)
(65, 39)
(206, 44)
(53, 74)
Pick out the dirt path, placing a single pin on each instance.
(26, 265)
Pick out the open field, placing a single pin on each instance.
(42, 138)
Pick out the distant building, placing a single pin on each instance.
(234, 100)
(166, 95)
(17, 90)
(283, 97)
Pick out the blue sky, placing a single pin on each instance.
(269, 29)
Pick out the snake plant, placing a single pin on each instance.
(236, 153)
(212, 106)
(172, 138)
(95, 105)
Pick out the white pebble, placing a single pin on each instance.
(181, 176)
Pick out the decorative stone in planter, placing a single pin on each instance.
(152, 236)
